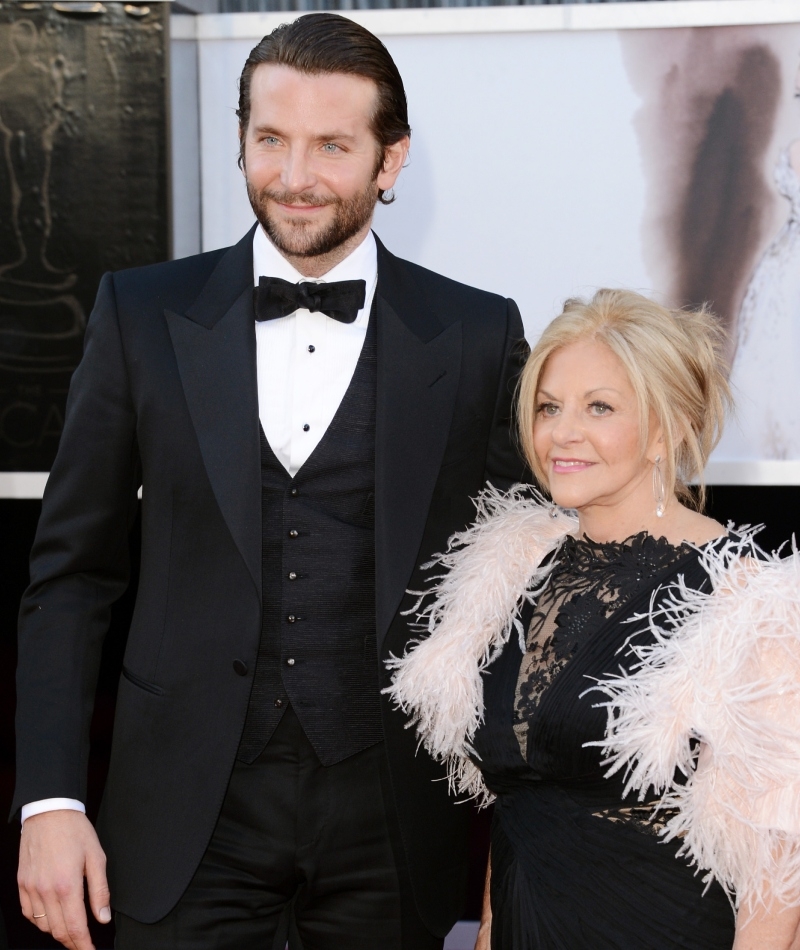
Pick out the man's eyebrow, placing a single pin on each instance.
(266, 130)
(335, 137)
(322, 137)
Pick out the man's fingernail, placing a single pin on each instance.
(105, 915)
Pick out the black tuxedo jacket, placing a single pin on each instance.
(165, 398)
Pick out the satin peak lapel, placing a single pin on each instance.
(417, 386)
(215, 347)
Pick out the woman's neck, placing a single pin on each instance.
(679, 524)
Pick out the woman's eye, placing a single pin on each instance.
(601, 408)
(547, 409)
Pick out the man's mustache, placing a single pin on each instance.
(305, 199)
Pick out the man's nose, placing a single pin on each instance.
(297, 175)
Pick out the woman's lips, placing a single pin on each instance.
(569, 466)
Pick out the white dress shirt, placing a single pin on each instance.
(304, 364)
(305, 361)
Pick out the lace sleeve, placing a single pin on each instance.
(724, 668)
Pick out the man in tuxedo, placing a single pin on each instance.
(307, 417)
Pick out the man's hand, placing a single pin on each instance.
(57, 849)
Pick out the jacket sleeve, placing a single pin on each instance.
(504, 464)
(79, 566)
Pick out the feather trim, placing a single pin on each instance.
(471, 615)
(723, 668)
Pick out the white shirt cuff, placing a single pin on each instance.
(51, 804)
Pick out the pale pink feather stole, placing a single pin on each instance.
(725, 671)
(469, 613)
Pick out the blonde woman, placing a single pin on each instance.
(619, 672)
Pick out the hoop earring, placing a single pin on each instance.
(659, 492)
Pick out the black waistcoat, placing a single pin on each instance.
(318, 639)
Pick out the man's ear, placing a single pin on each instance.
(241, 160)
(394, 157)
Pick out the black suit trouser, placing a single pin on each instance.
(293, 833)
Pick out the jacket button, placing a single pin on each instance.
(278, 703)
(291, 618)
(293, 492)
(292, 576)
(293, 533)
(240, 667)
(290, 661)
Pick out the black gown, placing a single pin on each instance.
(574, 865)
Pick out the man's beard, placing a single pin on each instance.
(304, 238)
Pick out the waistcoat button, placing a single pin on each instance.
(240, 667)
(279, 703)
(292, 576)
(290, 661)
(293, 493)
(293, 533)
(291, 618)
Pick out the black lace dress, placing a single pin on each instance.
(574, 865)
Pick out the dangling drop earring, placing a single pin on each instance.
(658, 487)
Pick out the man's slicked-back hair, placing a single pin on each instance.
(328, 43)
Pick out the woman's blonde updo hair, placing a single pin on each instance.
(676, 365)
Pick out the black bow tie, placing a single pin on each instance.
(342, 299)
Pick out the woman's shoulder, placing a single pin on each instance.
(693, 528)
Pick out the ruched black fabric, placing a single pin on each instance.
(574, 866)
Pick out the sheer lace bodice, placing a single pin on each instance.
(590, 582)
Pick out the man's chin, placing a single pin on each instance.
(303, 244)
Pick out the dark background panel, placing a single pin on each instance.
(778, 508)
(83, 190)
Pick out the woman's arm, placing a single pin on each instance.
(773, 927)
(484, 941)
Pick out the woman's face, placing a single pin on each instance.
(586, 433)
